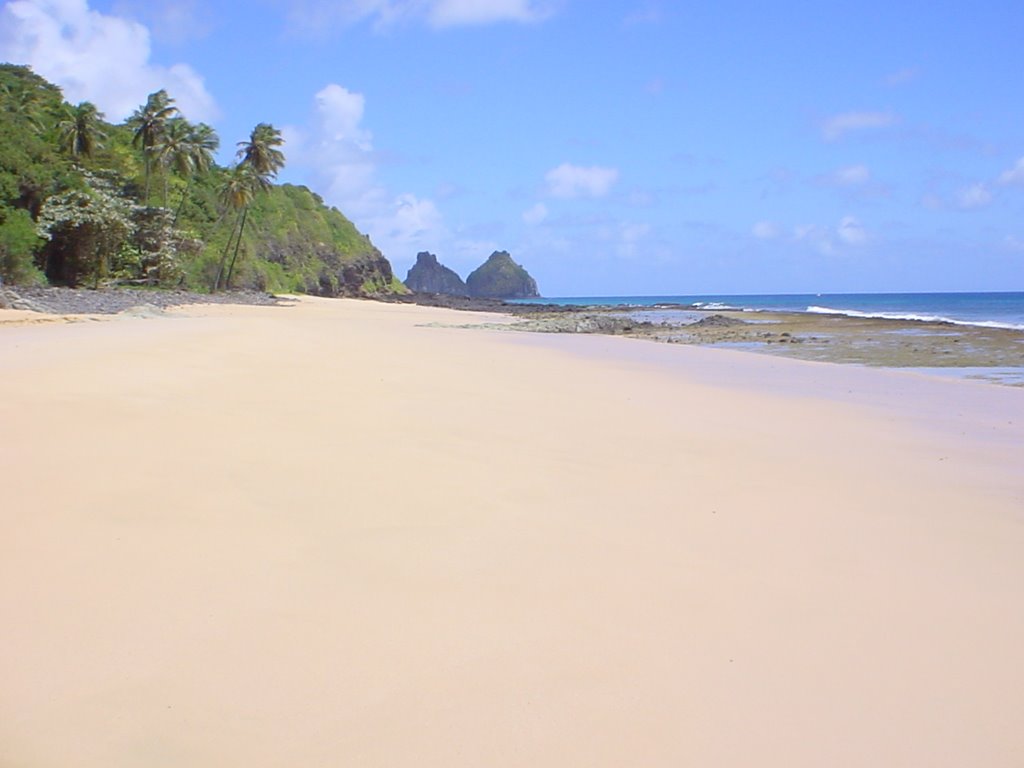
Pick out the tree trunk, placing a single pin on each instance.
(181, 204)
(238, 242)
(224, 257)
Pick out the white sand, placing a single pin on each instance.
(327, 535)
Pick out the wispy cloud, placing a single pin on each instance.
(1013, 243)
(96, 57)
(765, 230)
(974, 196)
(649, 13)
(827, 240)
(851, 231)
(853, 181)
(631, 236)
(172, 21)
(320, 15)
(852, 176)
(535, 214)
(1014, 175)
(570, 181)
(902, 77)
(454, 13)
(838, 126)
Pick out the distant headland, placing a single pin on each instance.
(497, 278)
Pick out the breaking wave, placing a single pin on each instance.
(912, 316)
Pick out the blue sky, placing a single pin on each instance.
(635, 147)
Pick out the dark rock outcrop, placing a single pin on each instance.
(501, 278)
(428, 276)
(717, 321)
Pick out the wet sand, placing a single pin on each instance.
(336, 533)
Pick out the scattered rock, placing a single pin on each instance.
(110, 301)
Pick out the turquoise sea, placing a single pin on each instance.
(998, 310)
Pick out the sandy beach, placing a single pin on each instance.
(341, 533)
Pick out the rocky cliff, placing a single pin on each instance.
(297, 243)
(501, 278)
(429, 276)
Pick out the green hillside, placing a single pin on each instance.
(86, 202)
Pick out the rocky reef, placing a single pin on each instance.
(427, 275)
(501, 278)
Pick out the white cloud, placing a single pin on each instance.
(451, 13)
(974, 196)
(341, 114)
(318, 15)
(410, 223)
(535, 214)
(838, 126)
(338, 151)
(569, 181)
(824, 239)
(851, 231)
(765, 230)
(337, 154)
(96, 57)
(1014, 175)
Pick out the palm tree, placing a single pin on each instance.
(80, 131)
(24, 101)
(201, 142)
(259, 161)
(261, 151)
(172, 151)
(149, 123)
(237, 194)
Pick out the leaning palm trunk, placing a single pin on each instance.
(224, 255)
(181, 203)
(238, 242)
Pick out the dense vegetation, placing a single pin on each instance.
(86, 202)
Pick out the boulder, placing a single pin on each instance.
(717, 321)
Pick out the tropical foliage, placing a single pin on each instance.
(149, 125)
(87, 202)
(80, 129)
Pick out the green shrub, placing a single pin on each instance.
(18, 245)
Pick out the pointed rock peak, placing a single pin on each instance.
(501, 278)
(429, 276)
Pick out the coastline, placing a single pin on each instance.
(345, 531)
(934, 347)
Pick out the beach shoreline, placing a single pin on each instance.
(991, 354)
(347, 531)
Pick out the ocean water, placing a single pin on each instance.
(992, 310)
